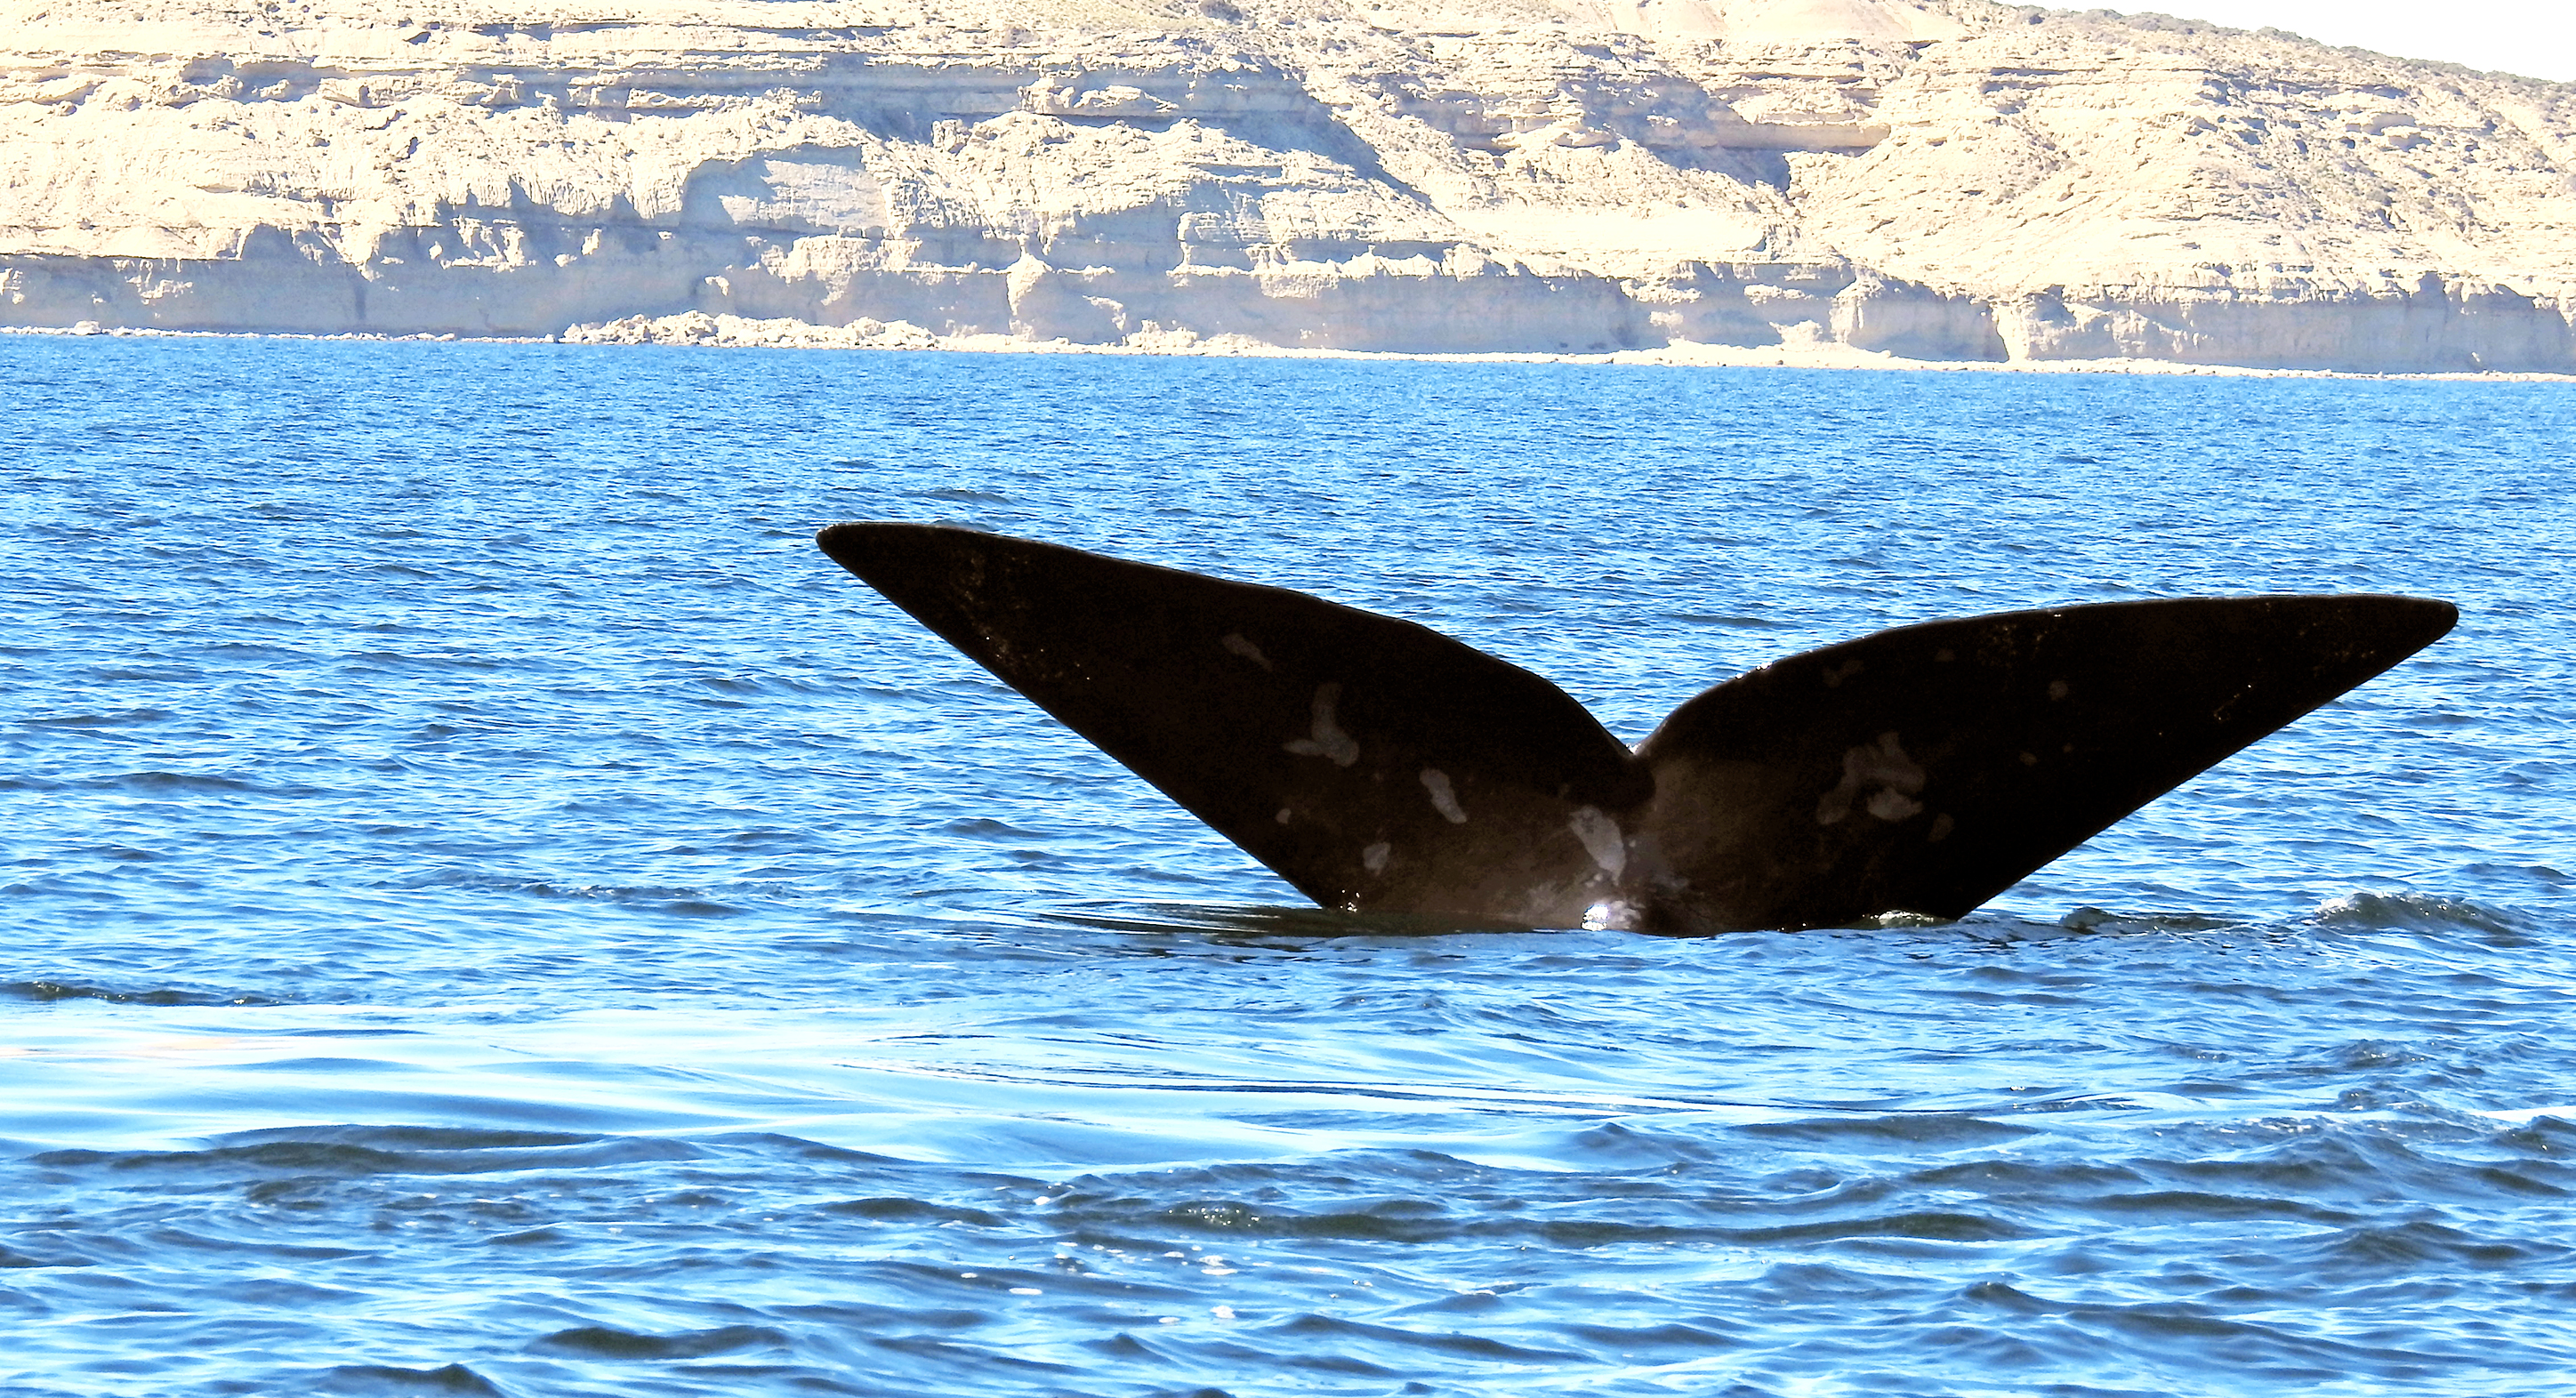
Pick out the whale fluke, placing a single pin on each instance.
(1380, 766)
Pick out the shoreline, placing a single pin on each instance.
(797, 335)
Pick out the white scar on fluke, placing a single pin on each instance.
(1882, 765)
(1601, 839)
(1443, 799)
(1327, 738)
(1234, 642)
(1899, 772)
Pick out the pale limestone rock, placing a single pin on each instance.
(1933, 179)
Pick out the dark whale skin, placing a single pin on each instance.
(1379, 766)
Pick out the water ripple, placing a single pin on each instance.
(494, 911)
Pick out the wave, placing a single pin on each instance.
(2091, 919)
(668, 898)
(607, 1342)
(393, 1379)
(1266, 923)
(361, 1150)
(48, 991)
(2418, 912)
(123, 719)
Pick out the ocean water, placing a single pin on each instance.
(491, 909)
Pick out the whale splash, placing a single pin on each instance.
(1379, 766)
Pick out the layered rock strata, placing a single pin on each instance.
(1947, 179)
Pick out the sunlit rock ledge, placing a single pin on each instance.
(1947, 180)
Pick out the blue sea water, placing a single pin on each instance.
(491, 909)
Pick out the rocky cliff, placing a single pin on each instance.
(1941, 179)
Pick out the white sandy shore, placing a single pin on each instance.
(785, 335)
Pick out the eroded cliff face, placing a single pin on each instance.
(1948, 179)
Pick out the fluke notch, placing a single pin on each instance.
(1379, 766)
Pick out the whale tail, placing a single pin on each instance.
(1379, 766)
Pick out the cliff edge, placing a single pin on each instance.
(1938, 179)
